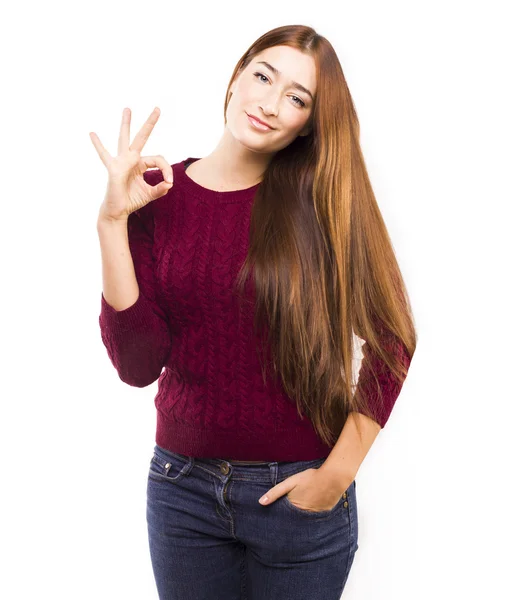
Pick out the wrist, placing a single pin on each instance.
(104, 222)
(336, 478)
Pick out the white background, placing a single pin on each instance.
(428, 81)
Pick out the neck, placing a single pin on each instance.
(234, 164)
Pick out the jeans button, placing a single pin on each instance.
(224, 467)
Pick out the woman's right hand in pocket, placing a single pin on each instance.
(127, 191)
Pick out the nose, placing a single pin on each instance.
(270, 104)
(269, 109)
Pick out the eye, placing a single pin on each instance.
(300, 102)
(298, 99)
(261, 74)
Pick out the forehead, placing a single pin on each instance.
(293, 64)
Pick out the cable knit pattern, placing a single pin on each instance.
(189, 331)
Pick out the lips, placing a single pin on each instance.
(259, 121)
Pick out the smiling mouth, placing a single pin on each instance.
(257, 125)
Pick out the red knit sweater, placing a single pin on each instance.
(187, 248)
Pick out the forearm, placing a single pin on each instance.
(345, 458)
(134, 328)
(119, 283)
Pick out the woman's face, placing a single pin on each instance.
(276, 98)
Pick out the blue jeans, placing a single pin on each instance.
(210, 539)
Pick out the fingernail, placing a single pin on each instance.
(264, 500)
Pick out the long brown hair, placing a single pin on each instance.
(321, 258)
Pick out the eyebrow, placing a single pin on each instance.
(298, 86)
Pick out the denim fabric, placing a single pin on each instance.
(210, 539)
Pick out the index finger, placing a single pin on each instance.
(143, 134)
(123, 139)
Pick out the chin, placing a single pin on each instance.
(251, 142)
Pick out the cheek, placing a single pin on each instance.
(293, 124)
(299, 120)
(233, 107)
(237, 102)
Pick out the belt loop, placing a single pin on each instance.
(189, 465)
(274, 470)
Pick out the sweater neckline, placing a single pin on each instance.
(206, 193)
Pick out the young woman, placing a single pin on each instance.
(273, 240)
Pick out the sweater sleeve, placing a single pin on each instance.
(137, 339)
(381, 401)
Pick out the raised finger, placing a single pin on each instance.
(123, 140)
(144, 133)
(104, 155)
(160, 162)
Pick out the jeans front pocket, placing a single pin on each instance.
(339, 506)
(166, 466)
(313, 513)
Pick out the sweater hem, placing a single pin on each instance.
(278, 445)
